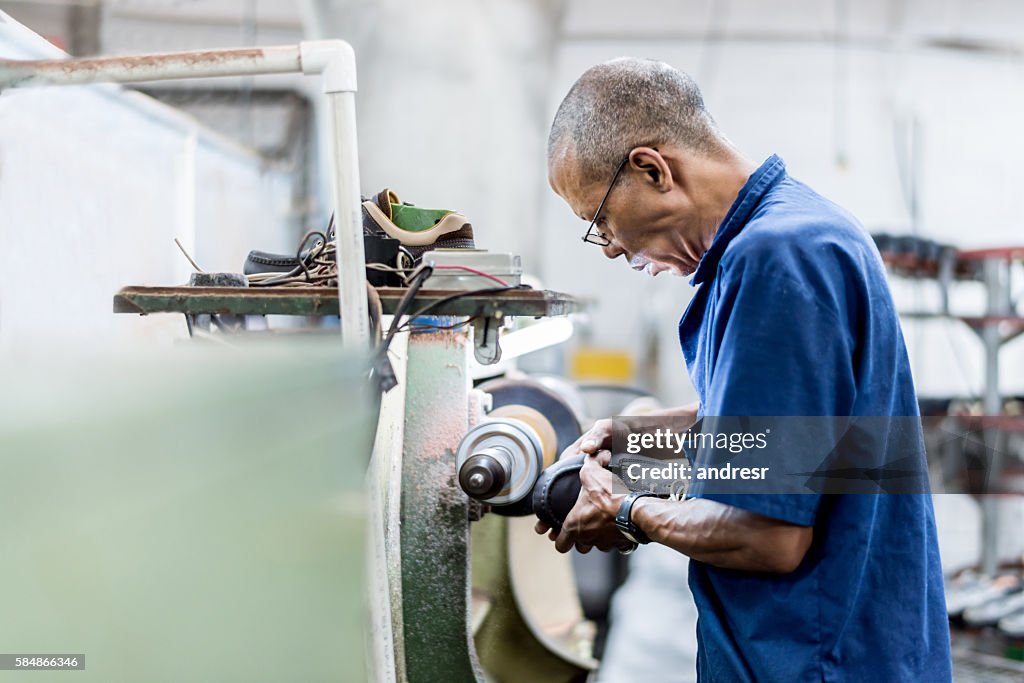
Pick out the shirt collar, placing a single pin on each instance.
(760, 181)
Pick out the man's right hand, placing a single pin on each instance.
(599, 437)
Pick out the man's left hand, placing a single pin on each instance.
(591, 522)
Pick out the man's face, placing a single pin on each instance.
(653, 226)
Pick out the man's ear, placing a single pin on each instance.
(653, 166)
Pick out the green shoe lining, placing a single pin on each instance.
(415, 218)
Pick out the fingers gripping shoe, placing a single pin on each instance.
(557, 489)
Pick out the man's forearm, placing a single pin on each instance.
(722, 535)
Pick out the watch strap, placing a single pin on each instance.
(623, 519)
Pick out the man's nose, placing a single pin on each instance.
(613, 250)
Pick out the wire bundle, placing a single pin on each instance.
(318, 267)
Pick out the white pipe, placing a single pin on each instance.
(17, 42)
(335, 61)
(348, 220)
(154, 67)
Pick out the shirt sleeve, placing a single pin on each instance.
(783, 350)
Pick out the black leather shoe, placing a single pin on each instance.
(263, 262)
(557, 489)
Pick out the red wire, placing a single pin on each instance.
(476, 272)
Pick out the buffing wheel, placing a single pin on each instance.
(533, 394)
(540, 424)
(544, 410)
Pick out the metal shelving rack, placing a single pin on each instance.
(999, 325)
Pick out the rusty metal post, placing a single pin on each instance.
(435, 585)
(151, 67)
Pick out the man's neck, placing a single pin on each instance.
(718, 185)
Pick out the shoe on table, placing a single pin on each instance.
(418, 229)
(385, 217)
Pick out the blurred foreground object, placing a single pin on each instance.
(189, 515)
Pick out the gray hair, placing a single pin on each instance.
(625, 103)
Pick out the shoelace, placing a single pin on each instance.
(317, 267)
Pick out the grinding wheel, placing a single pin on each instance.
(540, 424)
(533, 394)
(530, 401)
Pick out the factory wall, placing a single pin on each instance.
(95, 183)
(452, 106)
(856, 114)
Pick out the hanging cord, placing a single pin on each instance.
(448, 299)
(382, 367)
(376, 311)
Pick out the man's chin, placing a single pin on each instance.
(674, 271)
(653, 270)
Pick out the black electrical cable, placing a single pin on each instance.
(458, 295)
(376, 313)
(382, 367)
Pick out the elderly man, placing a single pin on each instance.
(793, 316)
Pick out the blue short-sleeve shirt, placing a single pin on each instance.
(793, 316)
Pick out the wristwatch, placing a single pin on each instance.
(625, 524)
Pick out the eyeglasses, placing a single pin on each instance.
(595, 236)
